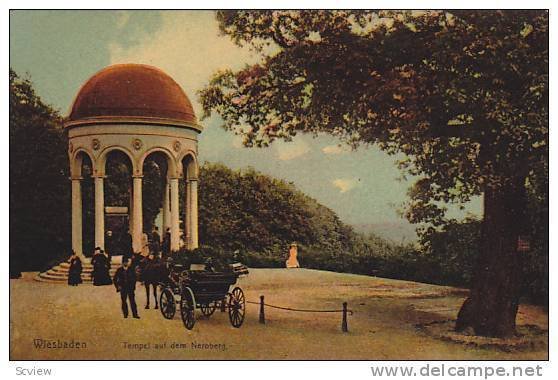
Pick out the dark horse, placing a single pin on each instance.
(151, 271)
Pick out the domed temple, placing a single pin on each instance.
(137, 110)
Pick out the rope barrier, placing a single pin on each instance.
(345, 311)
(301, 310)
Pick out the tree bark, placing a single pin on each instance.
(493, 301)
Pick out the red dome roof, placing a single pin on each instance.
(132, 90)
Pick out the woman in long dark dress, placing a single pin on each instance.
(101, 268)
(74, 273)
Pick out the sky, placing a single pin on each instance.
(60, 50)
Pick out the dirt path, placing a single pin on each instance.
(383, 326)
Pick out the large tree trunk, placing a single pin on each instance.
(492, 305)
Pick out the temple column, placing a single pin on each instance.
(193, 222)
(131, 210)
(137, 214)
(77, 230)
(175, 228)
(166, 207)
(99, 212)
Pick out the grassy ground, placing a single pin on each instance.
(382, 327)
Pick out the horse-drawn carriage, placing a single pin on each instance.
(202, 288)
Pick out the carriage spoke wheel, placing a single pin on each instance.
(187, 307)
(208, 309)
(167, 304)
(237, 307)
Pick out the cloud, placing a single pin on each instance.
(344, 184)
(334, 149)
(188, 47)
(290, 150)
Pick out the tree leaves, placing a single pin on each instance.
(39, 188)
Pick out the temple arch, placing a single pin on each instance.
(76, 161)
(102, 160)
(171, 160)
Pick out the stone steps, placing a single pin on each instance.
(59, 273)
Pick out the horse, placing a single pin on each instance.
(152, 271)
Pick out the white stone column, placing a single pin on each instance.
(131, 211)
(99, 212)
(175, 228)
(77, 229)
(137, 217)
(166, 207)
(193, 213)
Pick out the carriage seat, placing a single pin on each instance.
(177, 267)
(197, 267)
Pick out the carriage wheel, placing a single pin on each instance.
(208, 309)
(167, 303)
(187, 307)
(237, 307)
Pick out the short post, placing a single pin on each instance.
(223, 305)
(344, 327)
(262, 312)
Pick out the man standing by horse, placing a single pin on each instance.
(125, 283)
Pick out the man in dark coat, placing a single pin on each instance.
(128, 246)
(166, 244)
(125, 283)
(155, 242)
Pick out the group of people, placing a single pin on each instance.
(135, 267)
(101, 268)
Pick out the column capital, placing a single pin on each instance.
(75, 178)
(173, 177)
(101, 176)
(137, 176)
(192, 179)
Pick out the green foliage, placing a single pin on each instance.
(453, 251)
(251, 211)
(39, 189)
